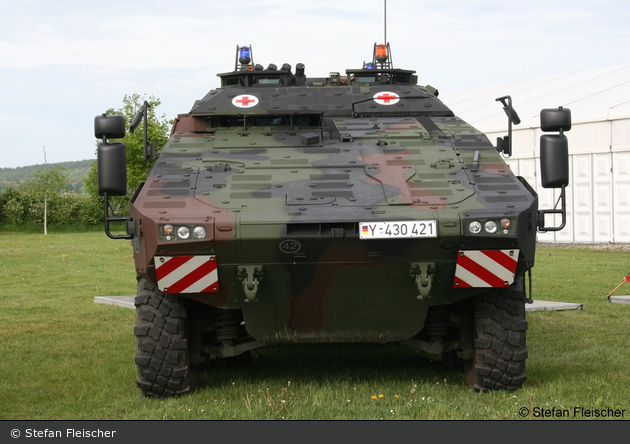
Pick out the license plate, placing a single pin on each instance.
(398, 230)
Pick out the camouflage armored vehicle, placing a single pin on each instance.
(352, 208)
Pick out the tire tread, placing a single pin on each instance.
(162, 356)
(500, 341)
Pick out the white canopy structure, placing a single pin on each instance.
(598, 196)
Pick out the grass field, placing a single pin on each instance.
(64, 357)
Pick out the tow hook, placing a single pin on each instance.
(250, 276)
(422, 272)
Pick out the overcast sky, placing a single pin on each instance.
(63, 62)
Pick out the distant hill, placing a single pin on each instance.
(76, 172)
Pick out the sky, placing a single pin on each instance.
(64, 62)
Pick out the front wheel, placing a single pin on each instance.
(162, 343)
(500, 349)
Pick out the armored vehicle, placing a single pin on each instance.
(349, 208)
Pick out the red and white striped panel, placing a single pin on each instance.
(187, 274)
(485, 268)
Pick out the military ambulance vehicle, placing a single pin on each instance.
(350, 208)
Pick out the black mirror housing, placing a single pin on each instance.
(555, 119)
(112, 168)
(109, 127)
(554, 161)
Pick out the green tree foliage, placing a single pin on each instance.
(75, 171)
(23, 207)
(12, 207)
(49, 186)
(49, 190)
(158, 129)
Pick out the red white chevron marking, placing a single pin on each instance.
(187, 274)
(485, 268)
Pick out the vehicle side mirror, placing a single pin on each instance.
(555, 119)
(554, 149)
(109, 127)
(111, 168)
(554, 162)
(111, 156)
(111, 160)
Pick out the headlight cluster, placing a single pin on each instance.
(492, 226)
(182, 232)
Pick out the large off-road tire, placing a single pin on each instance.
(162, 346)
(500, 349)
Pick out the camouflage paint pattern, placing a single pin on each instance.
(281, 173)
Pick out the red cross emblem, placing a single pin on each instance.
(386, 98)
(245, 101)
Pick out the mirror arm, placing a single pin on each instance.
(143, 115)
(562, 211)
(146, 138)
(115, 218)
(512, 119)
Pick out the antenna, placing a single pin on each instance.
(385, 21)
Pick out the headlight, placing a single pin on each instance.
(183, 232)
(495, 227)
(175, 232)
(475, 227)
(490, 227)
(199, 232)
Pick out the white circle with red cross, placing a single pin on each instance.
(245, 101)
(386, 98)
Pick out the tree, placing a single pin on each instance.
(12, 211)
(47, 195)
(158, 129)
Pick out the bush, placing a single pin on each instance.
(91, 211)
(13, 211)
(49, 193)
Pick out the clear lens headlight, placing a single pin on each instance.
(490, 227)
(199, 232)
(474, 227)
(183, 232)
(168, 229)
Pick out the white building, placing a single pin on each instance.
(598, 196)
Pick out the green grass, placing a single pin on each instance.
(64, 357)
